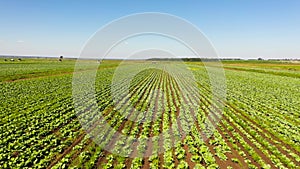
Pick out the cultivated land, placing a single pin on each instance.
(259, 128)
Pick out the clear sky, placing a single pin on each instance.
(237, 28)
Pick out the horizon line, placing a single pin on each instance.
(153, 58)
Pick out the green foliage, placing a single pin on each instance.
(40, 127)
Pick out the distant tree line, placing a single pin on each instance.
(192, 59)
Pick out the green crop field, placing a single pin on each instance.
(259, 125)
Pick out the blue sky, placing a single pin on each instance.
(237, 28)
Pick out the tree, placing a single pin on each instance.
(60, 58)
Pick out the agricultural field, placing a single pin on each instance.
(41, 127)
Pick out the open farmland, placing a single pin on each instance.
(259, 125)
